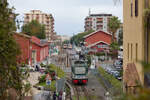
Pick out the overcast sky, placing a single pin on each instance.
(68, 14)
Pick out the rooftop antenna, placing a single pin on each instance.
(89, 11)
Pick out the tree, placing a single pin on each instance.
(10, 74)
(120, 40)
(34, 28)
(114, 25)
(79, 37)
(66, 42)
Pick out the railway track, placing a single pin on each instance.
(79, 91)
(86, 93)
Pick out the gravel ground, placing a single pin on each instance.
(96, 90)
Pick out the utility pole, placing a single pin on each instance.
(67, 59)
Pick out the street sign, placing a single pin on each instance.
(48, 77)
(48, 82)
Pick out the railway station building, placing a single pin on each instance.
(32, 50)
(98, 40)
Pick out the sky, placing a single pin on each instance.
(69, 15)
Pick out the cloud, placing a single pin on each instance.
(69, 14)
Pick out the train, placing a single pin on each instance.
(79, 72)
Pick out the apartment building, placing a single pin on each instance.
(97, 22)
(136, 44)
(43, 18)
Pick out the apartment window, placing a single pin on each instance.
(131, 9)
(136, 8)
(136, 51)
(131, 51)
(128, 51)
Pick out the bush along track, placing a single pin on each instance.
(111, 84)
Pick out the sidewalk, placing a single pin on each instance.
(33, 79)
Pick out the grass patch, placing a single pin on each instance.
(117, 85)
(83, 98)
(52, 86)
(60, 73)
(74, 98)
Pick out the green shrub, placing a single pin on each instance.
(42, 79)
(100, 54)
(60, 73)
(117, 86)
(23, 64)
(89, 60)
(42, 65)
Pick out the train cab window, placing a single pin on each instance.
(78, 62)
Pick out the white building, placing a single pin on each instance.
(97, 22)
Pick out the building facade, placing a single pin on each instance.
(97, 22)
(32, 50)
(136, 44)
(98, 40)
(40, 51)
(25, 47)
(42, 18)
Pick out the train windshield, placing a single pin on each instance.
(80, 70)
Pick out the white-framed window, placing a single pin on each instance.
(102, 46)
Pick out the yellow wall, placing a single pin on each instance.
(133, 35)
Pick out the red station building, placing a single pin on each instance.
(98, 40)
(32, 50)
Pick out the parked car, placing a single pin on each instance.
(116, 74)
(118, 64)
(108, 70)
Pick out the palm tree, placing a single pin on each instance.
(114, 25)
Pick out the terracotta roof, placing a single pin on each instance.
(41, 45)
(96, 32)
(22, 34)
(37, 41)
(97, 43)
(131, 77)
